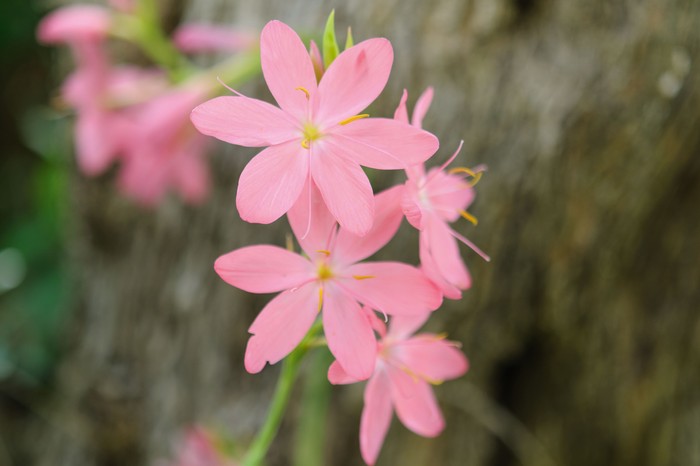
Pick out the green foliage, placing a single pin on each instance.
(330, 44)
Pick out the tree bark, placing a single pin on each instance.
(582, 332)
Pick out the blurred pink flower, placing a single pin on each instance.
(163, 150)
(199, 448)
(330, 278)
(405, 368)
(316, 133)
(98, 132)
(431, 201)
(193, 38)
(75, 25)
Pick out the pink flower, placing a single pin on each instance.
(199, 448)
(192, 38)
(75, 25)
(432, 201)
(330, 277)
(164, 150)
(98, 132)
(316, 133)
(406, 366)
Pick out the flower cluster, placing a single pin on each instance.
(316, 142)
(137, 116)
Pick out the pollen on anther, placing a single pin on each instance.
(469, 217)
(304, 90)
(354, 118)
(476, 176)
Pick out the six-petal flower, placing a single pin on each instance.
(316, 133)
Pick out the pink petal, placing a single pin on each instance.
(378, 325)
(431, 357)
(287, 66)
(376, 417)
(401, 113)
(338, 376)
(210, 38)
(271, 182)
(345, 189)
(448, 194)
(354, 80)
(316, 59)
(311, 221)
(410, 206)
(349, 333)
(98, 140)
(422, 106)
(190, 173)
(395, 288)
(445, 252)
(430, 269)
(74, 23)
(144, 177)
(350, 248)
(383, 143)
(415, 403)
(263, 269)
(402, 327)
(244, 121)
(281, 326)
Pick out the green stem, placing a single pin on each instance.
(148, 34)
(290, 368)
(311, 430)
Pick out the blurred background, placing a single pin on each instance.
(582, 333)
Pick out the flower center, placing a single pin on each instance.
(324, 272)
(311, 133)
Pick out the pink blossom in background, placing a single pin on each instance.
(98, 132)
(194, 38)
(405, 368)
(316, 133)
(199, 447)
(433, 200)
(163, 150)
(98, 94)
(75, 25)
(330, 278)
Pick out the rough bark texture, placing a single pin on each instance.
(582, 332)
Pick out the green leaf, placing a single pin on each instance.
(330, 44)
(349, 42)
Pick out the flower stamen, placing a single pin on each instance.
(469, 217)
(476, 176)
(354, 118)
(362, 277)
(305, 91)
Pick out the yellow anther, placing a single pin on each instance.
(476, 176)
(469, 217)
(353, 118)
(304, 90)
(320, 299)
(362, 277)
(433, 381)
(305, 143)
(289, 243)
(324, 252)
